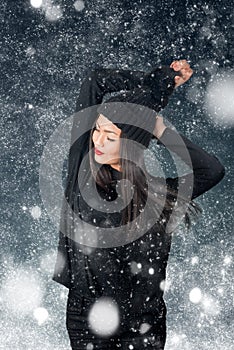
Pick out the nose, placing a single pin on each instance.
(100, 140)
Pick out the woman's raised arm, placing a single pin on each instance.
(207, 170)
(101, 81)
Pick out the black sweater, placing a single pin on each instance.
(116, 272)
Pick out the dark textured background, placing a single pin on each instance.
(42, 65)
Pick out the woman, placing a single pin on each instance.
(115, 238)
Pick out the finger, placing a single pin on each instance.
(176, 66)
(184, 64)
(174, 62)
(186, 71)
(178, 80)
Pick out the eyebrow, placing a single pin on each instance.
(107, 130)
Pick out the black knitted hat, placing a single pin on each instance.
(134, 111)
(137, 122)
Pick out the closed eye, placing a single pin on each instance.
(96, 129)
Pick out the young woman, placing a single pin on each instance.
(115, 238)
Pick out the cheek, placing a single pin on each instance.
(115, 148)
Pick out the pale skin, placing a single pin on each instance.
(106, 139)
(185, 70)
(106, 136)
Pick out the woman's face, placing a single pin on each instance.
(106, 139)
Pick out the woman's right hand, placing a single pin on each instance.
(185, 70)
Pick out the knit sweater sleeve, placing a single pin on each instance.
(101, 81)
(207, 170)
(161, 82)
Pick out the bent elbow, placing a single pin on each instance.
(206, 179)
(218, 173)
(221, 173)
(94, 73)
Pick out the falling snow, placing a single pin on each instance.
(104, 317)
(36, 3)
(41, 315)
(219, 98)
(47, 48)
(79, 5)
(195, 295)
(36, 212)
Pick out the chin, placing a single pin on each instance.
(98, 161)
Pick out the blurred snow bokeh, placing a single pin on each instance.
(53, 13)
(104, 317)
(47, 261)
(79, 5)
(35, 212)
(22, 292)
(195, 295)
(41, 315)
(220, 98)
(36, 3)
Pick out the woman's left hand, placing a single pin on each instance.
(159, 127)
(184, 68)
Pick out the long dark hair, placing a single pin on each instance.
(144, 185)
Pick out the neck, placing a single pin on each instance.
(116, 167)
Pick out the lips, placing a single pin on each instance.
(99, 153)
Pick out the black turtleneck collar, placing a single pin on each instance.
(116, 175)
